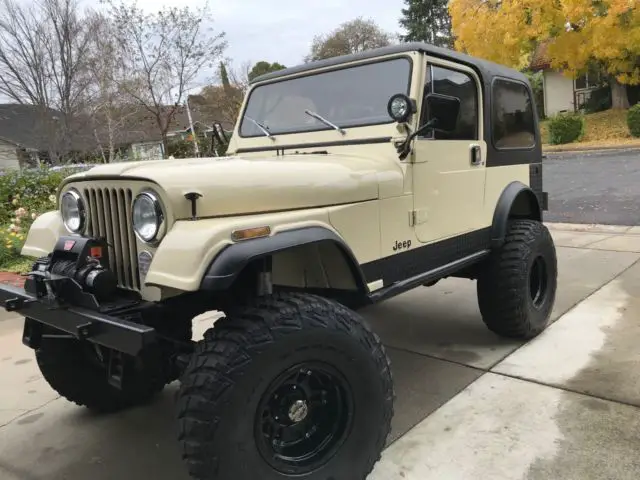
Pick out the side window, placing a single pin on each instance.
(462, 86)
(512, 115)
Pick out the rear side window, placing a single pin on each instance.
(512, 116)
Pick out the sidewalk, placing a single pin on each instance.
(564, 406)
(469, 405)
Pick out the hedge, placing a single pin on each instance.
(566, 128)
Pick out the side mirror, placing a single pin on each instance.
(443, 112)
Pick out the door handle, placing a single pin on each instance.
(476, 154)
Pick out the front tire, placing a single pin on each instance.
(292, 386)
(517, 285)
(76, 371)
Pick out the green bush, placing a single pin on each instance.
(566, 128)
(24, 195)
(633, 120)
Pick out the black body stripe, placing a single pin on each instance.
(417, 261)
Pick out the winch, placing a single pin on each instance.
(84, 261)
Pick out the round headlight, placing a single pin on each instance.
(147, 216)
(73, 211)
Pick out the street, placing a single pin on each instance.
(469, 404)
(601, 188)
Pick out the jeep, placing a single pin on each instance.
(347, 181)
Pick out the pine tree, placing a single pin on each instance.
(224, 76)
(427, 21)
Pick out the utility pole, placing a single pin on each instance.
(193, 132)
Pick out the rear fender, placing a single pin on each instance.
(516, 201)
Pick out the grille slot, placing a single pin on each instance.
(110, 218)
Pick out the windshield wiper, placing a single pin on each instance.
(325, 121)
(261, 127)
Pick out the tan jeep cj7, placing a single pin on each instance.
(348, 181)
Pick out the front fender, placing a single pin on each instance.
(226, 267)
(183, 257)
(43, 235)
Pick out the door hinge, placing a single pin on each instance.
(416, 217)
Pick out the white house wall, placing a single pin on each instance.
(558, 93)
(8, 156)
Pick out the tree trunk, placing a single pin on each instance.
(619, 97)
(165, 145)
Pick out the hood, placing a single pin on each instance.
(237, 185)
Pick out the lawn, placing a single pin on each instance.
(608, 128)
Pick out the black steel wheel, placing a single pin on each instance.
(292, 386)
(304, 417)
(538, 282)
(517, 284)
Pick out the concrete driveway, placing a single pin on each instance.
(469, 406)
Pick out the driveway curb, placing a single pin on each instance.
(594, 228)
(612, 150)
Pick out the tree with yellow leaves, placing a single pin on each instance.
(577, 34)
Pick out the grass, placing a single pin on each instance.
(608, 128)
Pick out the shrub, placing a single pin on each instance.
(633, 120)
(566, 128)
(29, 189)
(24, 195)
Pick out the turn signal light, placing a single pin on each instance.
(249, 233)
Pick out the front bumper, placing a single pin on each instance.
(81, 323)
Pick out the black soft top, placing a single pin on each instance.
(487, 70)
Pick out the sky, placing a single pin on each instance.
(282, 30)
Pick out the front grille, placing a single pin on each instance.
(110, 211)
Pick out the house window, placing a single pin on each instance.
(455, 84)
(587, 81)
(513, 119)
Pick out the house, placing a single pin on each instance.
(31, 135)
(562, 92)
(137, 137)
(26, 133)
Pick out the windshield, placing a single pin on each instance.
(348, 97)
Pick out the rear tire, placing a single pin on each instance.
(291, 386)
(517, 284)
(74, 370)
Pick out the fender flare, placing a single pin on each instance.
(524, 199)
(230, 262)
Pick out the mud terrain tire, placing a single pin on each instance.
(517, 284)
(74, 370)
(289, 386)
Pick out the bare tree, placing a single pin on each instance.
(351, 37)
(106, 103)
(43, 47)
(164, 53)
